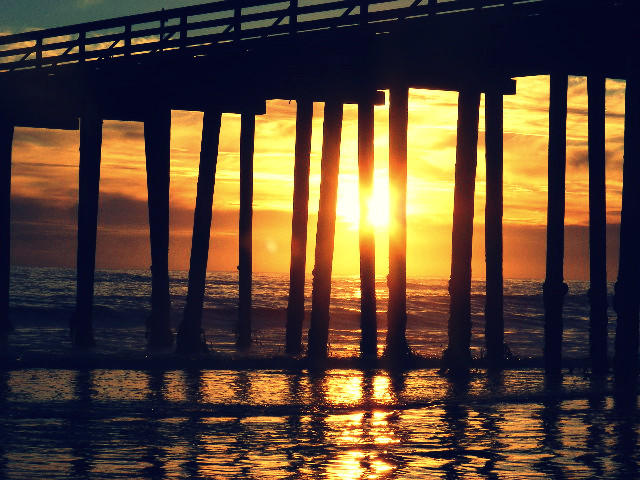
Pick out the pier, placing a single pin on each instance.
(141, 67)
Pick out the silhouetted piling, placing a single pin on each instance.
(89, 184)
(396, 344)
(295, 306)
(627, 300)
(247, 134)
(321, 292)
(157, 137)
(368, 324)
(6, 143)
(554, 288)
(458, 356)
(597, 225)
(190, 336)
(494, 312)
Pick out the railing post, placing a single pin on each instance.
(508, 7)
(82, 37)
(162, 22)
(127, 39)
(293, 17)
(183, 31)
(237, 22)
(39, 52)
(364, 13)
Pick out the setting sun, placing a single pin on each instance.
(348, 209)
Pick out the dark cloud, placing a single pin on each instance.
(125, 130)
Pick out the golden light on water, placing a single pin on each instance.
(344, 424)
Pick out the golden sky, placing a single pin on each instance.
(45, 175)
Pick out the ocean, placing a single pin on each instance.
(112, 421)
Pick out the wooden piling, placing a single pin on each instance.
(6, 143)
(626, 299)
(190, 335)
(493, 312)
(368, 324)
(597, 225)
(89, 185)
(458, 356)
(396, 341)
(295, 306)
(247, 134)
(554, 288)
(157, 137)
(321, 290)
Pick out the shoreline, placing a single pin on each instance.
(144, 360)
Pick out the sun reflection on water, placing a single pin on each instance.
(338, 424)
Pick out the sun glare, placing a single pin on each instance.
(348, 208)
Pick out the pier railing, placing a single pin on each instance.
(227, 22)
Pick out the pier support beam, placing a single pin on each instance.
(627, 300)
(89, 185)
(6, 143)
(190, 336)
(321, 292)
(554, 288)
(458, 356)
(597, 225)
(396, 344)
(157, 137)
(493, 311)
(247, 135)
(295, 307)
(368, 324)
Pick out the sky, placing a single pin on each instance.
(45, 177)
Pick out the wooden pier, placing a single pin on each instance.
(140, 67)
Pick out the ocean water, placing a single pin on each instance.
(43, 299)
(168, 422)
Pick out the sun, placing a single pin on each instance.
(348, 208)
(378, 216)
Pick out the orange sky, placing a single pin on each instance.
(45, 173)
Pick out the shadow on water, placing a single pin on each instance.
(4, 392)
(79, 427)
(191, 428)
(243, 437)
(551, 441)
(625, 427)
(293, 429)
(455, 425)
(490, 420)
(154, 452)
(595, 420)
